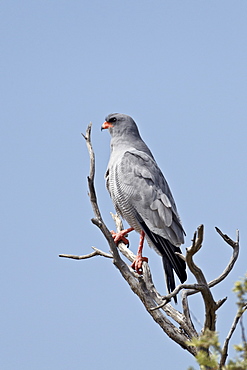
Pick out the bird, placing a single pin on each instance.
(141, 196)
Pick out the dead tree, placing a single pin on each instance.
(158, 306)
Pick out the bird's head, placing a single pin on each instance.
(120, 125)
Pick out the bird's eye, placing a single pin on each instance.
(113, 119)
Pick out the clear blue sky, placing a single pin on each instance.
(180, 69)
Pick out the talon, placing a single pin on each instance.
(120, 236)
(117, 237)
(137, 264)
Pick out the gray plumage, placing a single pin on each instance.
(142, 196)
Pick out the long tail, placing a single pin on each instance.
(171, 261)
(170, 281)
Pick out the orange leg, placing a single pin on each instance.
(117, 237)
(137, 264)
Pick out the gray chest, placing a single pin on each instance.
(121, 195)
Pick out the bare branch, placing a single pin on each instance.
(90, 178)
(210, 305)
(98, 221)
(187, 315)
(150, 288)
(220, 303)
(93, 198)
(195, 247)
(231, 331)
(227, 239)
(242, 330)
(197, 243)
(168, 297)
(97, 252)
(229, 267)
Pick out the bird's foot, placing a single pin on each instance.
(120, 236)
(137, 264)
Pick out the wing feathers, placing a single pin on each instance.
(165, 214)
(149, 194)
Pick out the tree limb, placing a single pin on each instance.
(236, 319)
(147, 276)
(229, 267)
(97, 252)
(222, 276)
(210, 305)
(231, 263)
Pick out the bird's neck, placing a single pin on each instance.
(118, 145)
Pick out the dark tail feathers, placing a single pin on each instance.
(169, 275)
(171, 261)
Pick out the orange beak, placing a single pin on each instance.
(106, 125)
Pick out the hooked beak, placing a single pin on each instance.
(106, 125)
